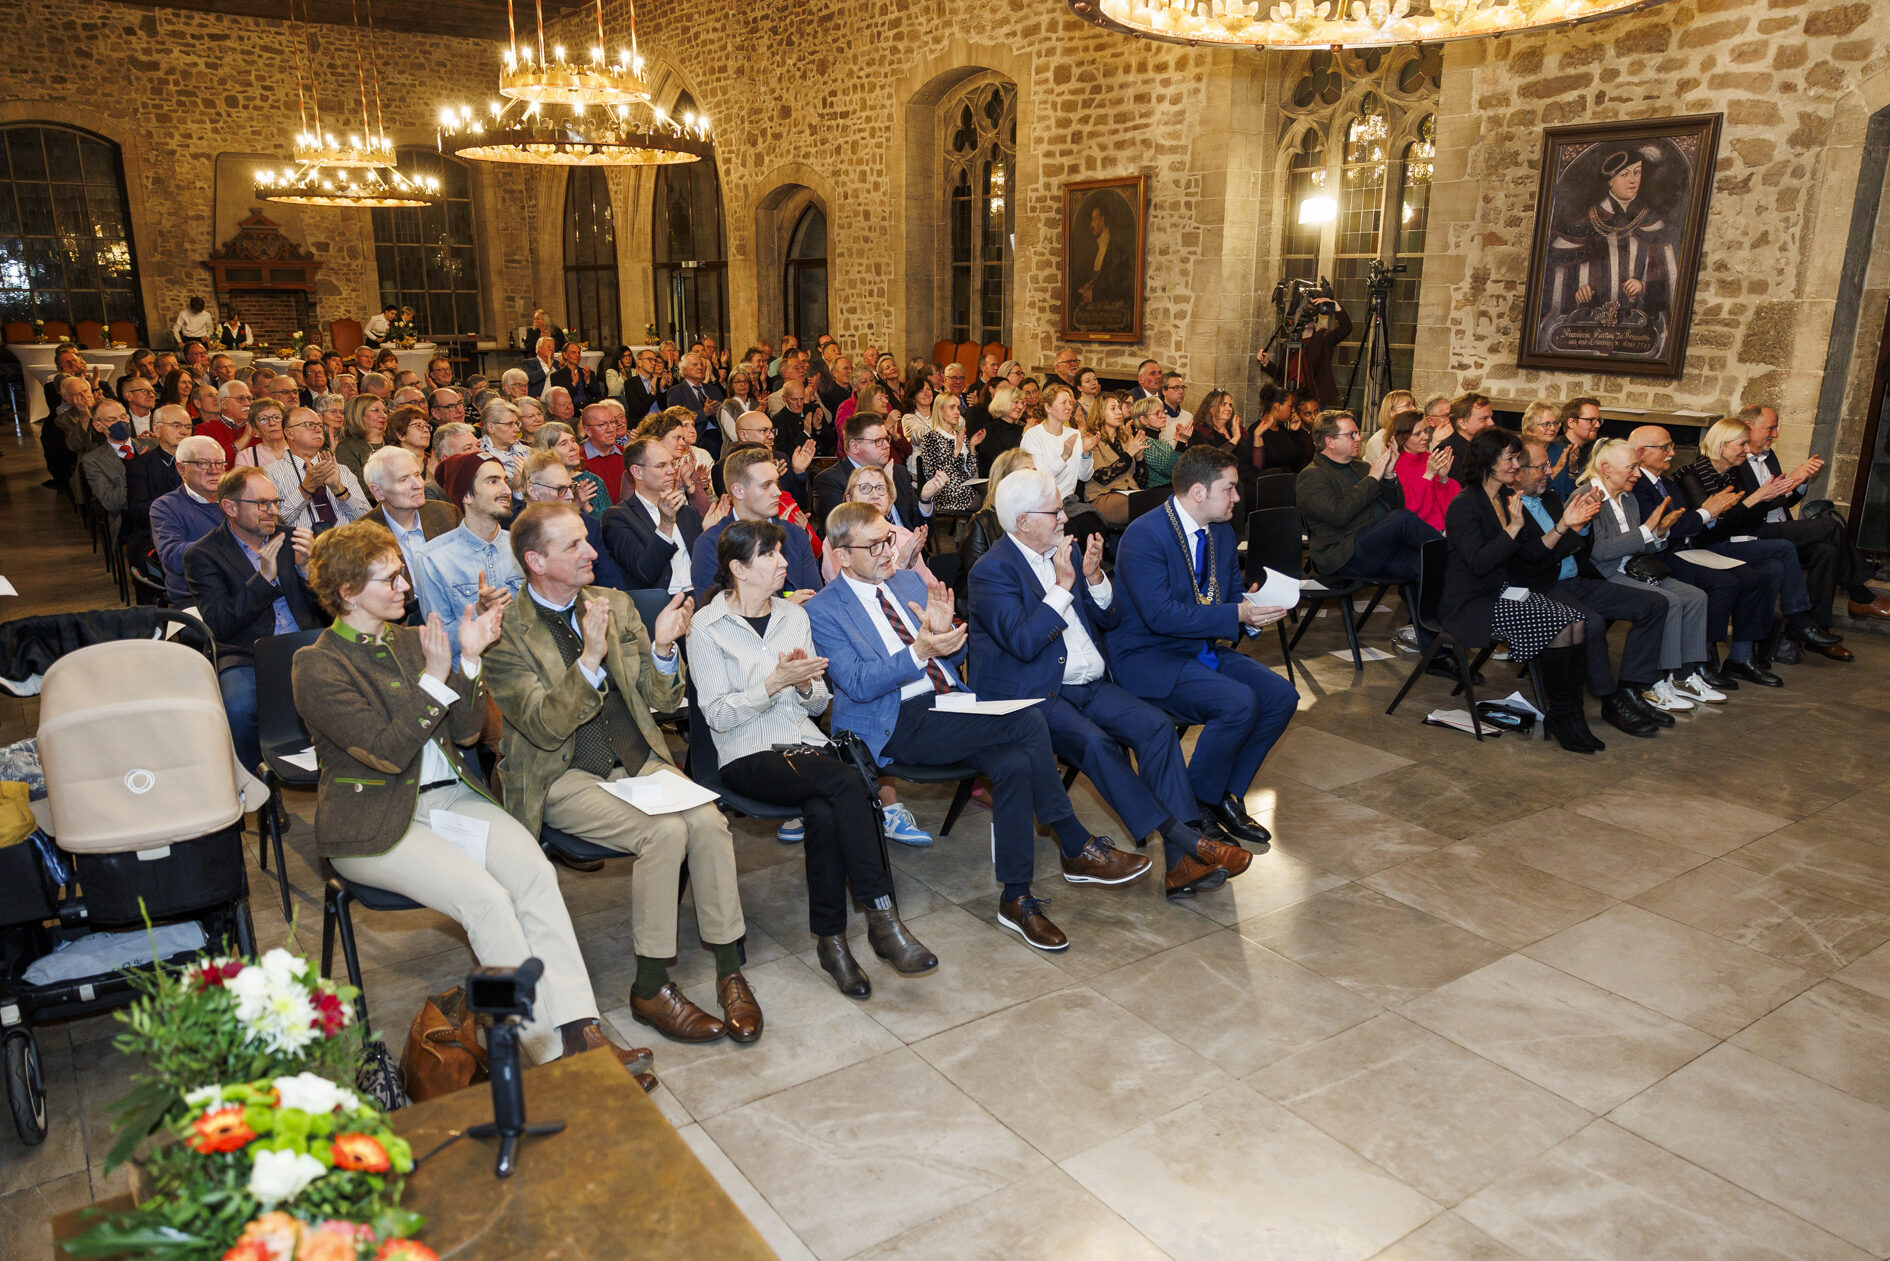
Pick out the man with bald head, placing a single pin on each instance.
(1825, 550)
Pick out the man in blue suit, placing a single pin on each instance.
(892, 650)
(1037, 631)
(650, 533)
(1178, 570)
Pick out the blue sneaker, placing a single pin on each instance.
(902, 827)
(793, 832)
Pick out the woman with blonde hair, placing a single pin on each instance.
(871, 485)
(1004, 430)
(946, 448)
(1388, 407)
(1117, 458)
(363, 430)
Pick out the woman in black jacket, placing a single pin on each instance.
(1483, 525)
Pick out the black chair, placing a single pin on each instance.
(280, 730)
(1142, 501)
(650, 602)
(1275, 488)
(1430, 593)
(1322, 589)
(1273, 542)
(338, 919)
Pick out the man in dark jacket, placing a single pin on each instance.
(245, 589)
(1356, 523)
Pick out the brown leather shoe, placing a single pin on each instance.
(1024, 916)
(1102, 863)
(1214, 853)
(1191, 876)
(675, 1017)
(1835, 652)
(741, 1014)
(1877, 610)
(636, 1058)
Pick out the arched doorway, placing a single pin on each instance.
(804, 275)
(66, 252)
(689, 260)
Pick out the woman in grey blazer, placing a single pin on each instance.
(1621, 535)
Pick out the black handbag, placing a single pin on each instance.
(1647, 569)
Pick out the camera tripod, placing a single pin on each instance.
(1374, 347)
(508, 1124)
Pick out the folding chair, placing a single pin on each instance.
(281, 732)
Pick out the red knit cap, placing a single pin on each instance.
(456, 474)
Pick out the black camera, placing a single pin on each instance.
(1378, 279)
(1298, 302)
(504, 992)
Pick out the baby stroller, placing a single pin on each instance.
(142, 816)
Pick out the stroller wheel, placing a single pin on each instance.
(26, 1090)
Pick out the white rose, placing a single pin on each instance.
(203, 1095)
(279, 1176)
(282, 967)
(314, 1095)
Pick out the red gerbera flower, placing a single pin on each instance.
(331, 1017)
(221, 1130)
(215, 975)
(361, 1153)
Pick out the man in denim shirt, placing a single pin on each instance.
(471, 564)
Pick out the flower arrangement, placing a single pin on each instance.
(295, 1168)
(227, 1020)
(649, 331)
(297, 340)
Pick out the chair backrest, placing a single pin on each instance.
(91, 334)
(124, 332)
(650, 601)
(345, 336)
(1141, 501)
(705, 764)
(999, 349)
(1432, 560)
(278, 725)
(1273, 543)
(967, 356)
(20, 331)
(1275, 489)
(58, 331)
(943, 352)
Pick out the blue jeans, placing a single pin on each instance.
(238, 684)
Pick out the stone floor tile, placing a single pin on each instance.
(1447, 1237)
(1445, 1121)
(1682, 972)
(1853, 868)
(1323, 760)
(1809, 930)
(1870, 972)
(1489, 893)
(1830, 1033)
(1275, 879)
(1654, 806)
(1348, 839)
(891, 1133)
(1584, 1043)
(1802, 1145)
(760, 1214)
(1046, 1215)
(1070, 1070)
(1236, 1176)
(1606, 859)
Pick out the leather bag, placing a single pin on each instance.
(443, 1052)
(1647, 569)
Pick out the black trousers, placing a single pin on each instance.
(1644, 611)
(1745, 597)
(842, 827)
(1831, 561)
(1013, 752)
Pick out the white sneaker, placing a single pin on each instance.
(1404, 639)
(1694, 688)
(1663, 697)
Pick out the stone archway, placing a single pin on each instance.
(785, 192)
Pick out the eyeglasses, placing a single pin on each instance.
(215, 464)
(305, 424)
(392, 580)
(1045, 512)
(879, 548)
(267, 505)
(756, 434)
(566, 491)
(1664, 446)
(881, 441)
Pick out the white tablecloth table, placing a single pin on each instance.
(36, 359)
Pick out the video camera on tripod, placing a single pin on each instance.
(1297, 302)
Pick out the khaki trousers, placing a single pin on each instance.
(511, 908)
(661, 842)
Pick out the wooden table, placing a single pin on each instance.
(617, 1183)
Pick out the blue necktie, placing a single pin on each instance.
(1207, 656)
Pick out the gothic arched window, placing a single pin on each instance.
(426, 256)
(689, 263)
(65, 234)
(590, 259)
(979, 126)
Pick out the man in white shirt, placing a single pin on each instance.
(316, 490)
(378, 326)
(1041, 607)
(193, 323)
(652, 533)
(140, 402)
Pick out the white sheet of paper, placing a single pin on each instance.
(1709, 560)
(463, 831)
(659, 792)
(1458, 720)
(305, 759)
(1364, 654)
(1278, 589)
(1516, 700)
(6, 588)
(968, 703)
(1517, 594)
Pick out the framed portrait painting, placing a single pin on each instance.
(1620, 213)
(1105, 234)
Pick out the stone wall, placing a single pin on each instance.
(175, 89)
(1785, 73)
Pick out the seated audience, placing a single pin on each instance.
(983, 531)
(1002, 426)
(1470, 414)
(1484, 526)
(1388, 409)
(587, 721)
(267, 443)
(755, 429)
(1060, 450)
(650, 534)
(870, 485)
(500, 425)
(405, 511)
(474, 562)
(644, 391)
(1164, 446)
(392, 753)
(457, 438)
(1572, 452)
(754, 494)
(182, 516)
(363, 430)
(578, 381)
(1041, 610)
(759, 687)
(1357, 524)
(947, 447)
(545, 478)
(410, 429)
(1117, 460)
(867, 446)
(1423, 474)
(103, 469)
(701, 397)
(1180, 577)
(893, 646)
(228, 425)
(245, 579)
(316, 490)
(153, 473)
(587, 487)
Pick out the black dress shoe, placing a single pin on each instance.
(1234, 820)
(1638, 703)
(837, 961)
(1746, 672)
(1814, 637)
(1620, 712)
(1717, 680)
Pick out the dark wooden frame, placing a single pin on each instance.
(1703, 130)
(1135, 190)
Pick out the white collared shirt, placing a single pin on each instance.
(868, 595)
(1615, 502)
(1763, 471)
(680, 578)
(1189, 527)
(1083, 662)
